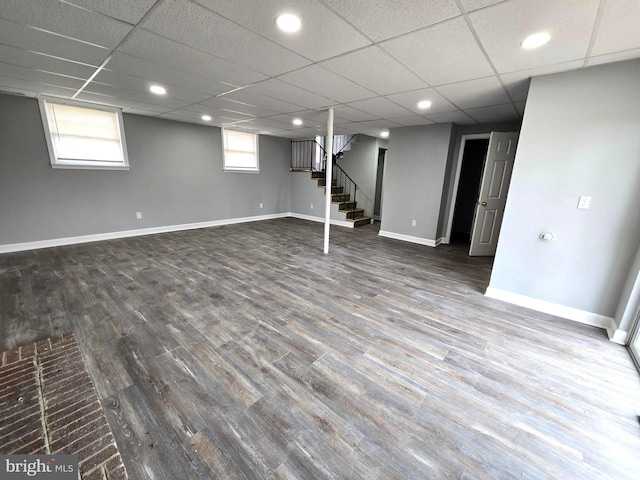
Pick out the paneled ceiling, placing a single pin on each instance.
(371, 60)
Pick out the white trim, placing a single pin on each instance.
(256, 153)
(440, 241)
(57, 242)
(570, 313)
(617, 335)
(456, 181)
(408, 238)
(87, 164)
(302, 216)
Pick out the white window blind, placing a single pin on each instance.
(84, 137)
(240, 151)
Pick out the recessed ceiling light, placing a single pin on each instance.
(297, 121)
(536, 40)
(206, 118)
(157, 89)
(424, 104)
(384, 134)
(288, 23)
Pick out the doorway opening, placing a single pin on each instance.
(377, 204)
(480, 192)
(471, 169)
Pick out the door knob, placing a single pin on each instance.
(484, 204)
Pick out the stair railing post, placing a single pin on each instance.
(328, 182)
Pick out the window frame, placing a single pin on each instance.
(233, 169)
(81, 164)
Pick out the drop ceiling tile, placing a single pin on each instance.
(520, 107)
(409, 100)
(457, 117)
(160, 50)
(447, 53)
(65, 19)
(517, 83)
(138, 67)
(323, 33)
(327, 84)
(412, 120)
(288, 120)
(495, 113)
(37, 76)
(237, 107)
(31, 89)
(481, 92)
(141, 85)
(247, 96)
(312, 116)
(380, 107)
(374, 69)
(216, 115)
(471, 5)
(344, 113)
(27, 38)
(614, 57)
(125, 94)
(269, 123)
(123, 103)
(275, 88)
(378, 124)
(130, 11)
(385, 19)
(200, 28)
(25, 58)
(618, 29)
(502, 28)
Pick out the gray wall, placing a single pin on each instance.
(580, 136)
(176, 177)
(414, 176)
(305, 192)
(361, 164)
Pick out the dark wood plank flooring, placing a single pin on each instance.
(244, 352)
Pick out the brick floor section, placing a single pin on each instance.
(38, 416)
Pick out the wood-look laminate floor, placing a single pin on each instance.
(244, 352)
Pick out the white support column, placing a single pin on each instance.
(328, 182)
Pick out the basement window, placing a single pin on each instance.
(240, 151)
(83, 136)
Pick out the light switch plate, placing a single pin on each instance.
(584, 203)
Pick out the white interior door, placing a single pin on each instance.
(493, 193)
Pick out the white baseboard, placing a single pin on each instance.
(302, 216)
(440, 241)
(408, 238)
(617, 335)
(57, 242)
(570, 313)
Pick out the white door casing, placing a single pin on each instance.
(493, 193)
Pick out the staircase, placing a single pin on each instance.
(343, 199)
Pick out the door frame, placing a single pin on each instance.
(634, 338)
(456, 181)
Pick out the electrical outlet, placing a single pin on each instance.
(312, 206)
(139, 215)
(584, 203)
(413, 223)
(261, 205)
